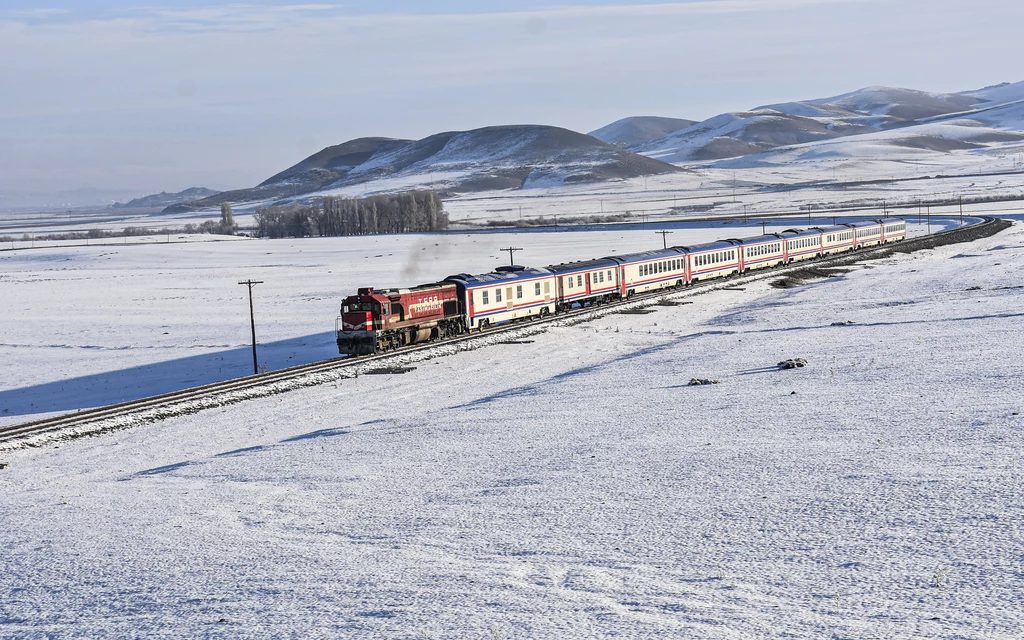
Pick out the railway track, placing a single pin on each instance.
(155, 408)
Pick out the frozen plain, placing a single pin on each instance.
(94, 325)
(574, 486)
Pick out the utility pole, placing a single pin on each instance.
(762, 228)
(664, 238)
(252, 323)
(744, 214)
(511, 251)
(961, 211)
(808, 215)
(928, 210)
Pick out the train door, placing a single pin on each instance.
(508, 296)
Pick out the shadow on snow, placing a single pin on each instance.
(141, 381)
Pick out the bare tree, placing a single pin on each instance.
(227, 220)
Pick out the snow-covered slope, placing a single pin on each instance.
(736, 134)
(859, 112)
(999, 93)
(902, 104)
(635, 130)
(502, 157)
(164, 199)
(572, 486)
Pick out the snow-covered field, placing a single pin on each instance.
(572, 487)
(93, 325)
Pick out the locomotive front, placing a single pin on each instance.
(375, 321)
(362, 316)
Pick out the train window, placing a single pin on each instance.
(569, 281)
(609, 275)
(497, 294)
(593, 277)
(579, 281)
(519, 291)
(600, 276)
(484, 296)
(536, 288)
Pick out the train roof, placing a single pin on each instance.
(656, 254)
(768, 237)
(796, 233)
(511, 273)
(890, 220)
(582, 265)
(833, 229)
(865, 223)
(707, 246)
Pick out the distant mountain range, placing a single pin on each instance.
(636, 130)
(503, 157)
(525, 156)
(767, 127)
(164, 199)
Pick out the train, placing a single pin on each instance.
(374, 321)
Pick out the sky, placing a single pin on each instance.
(114, 99)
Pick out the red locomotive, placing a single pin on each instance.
(373, 321)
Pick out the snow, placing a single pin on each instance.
(1000, 94)
(574, 487)
(93, 325)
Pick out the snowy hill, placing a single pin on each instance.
(900, 104)
(502, 157)
(635, 130)
(999, 94)
(737, 134)
(164, 199)
(867, 110)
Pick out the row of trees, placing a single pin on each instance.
(401, 213)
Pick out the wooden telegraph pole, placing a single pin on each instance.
(252, 323)
(511, 251)
(664, 238)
